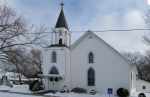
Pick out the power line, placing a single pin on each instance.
(116, 30)
(109, 30)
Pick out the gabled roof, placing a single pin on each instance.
(61, 21)
(76, 43)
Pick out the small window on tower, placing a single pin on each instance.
(54, 57)
(60, 41)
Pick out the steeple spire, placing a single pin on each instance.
(61, 21)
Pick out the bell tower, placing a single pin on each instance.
(56, 57)
(60, 34)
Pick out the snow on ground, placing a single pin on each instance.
(16, 88)
(2, 94)
(20, 88)
(24, 89)
(5, 94)
(4, 88)
(146, 93)
(77, 95)
(88, 95)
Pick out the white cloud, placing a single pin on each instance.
(94, 15)
(118, 14)
(2, 2)
(9, 2)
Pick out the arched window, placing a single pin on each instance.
(54, 57)
(91, 77)
(60, 41)
(54, 70)
(91, 57)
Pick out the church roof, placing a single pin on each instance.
(77, 42)
(61, 21)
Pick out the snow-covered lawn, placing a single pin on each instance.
(4, 88)
(137, 93)
(77, 95)
(88, 95)
(2, 94)
(16, 88)
(20, 88)
(4, 91)
(23, 91)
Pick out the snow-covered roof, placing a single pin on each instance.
(77, 42)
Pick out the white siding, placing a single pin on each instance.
(62, 64)
(112, 71)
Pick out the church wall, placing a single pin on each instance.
(111, 70)
(62, 64)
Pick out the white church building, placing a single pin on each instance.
(88, 63)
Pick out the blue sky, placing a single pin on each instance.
(92, 15)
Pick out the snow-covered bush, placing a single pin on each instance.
(35, 86)
(122, 92)
(141, 95)
(79, 90)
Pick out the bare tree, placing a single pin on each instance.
(142, 62)
(36, 58)
(16, 58)
(139, 60)
(27, 62)
(15, 32)
(135, 58)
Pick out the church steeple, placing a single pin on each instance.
(61, 37)
(61, 21)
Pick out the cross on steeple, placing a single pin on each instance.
(62, 4)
